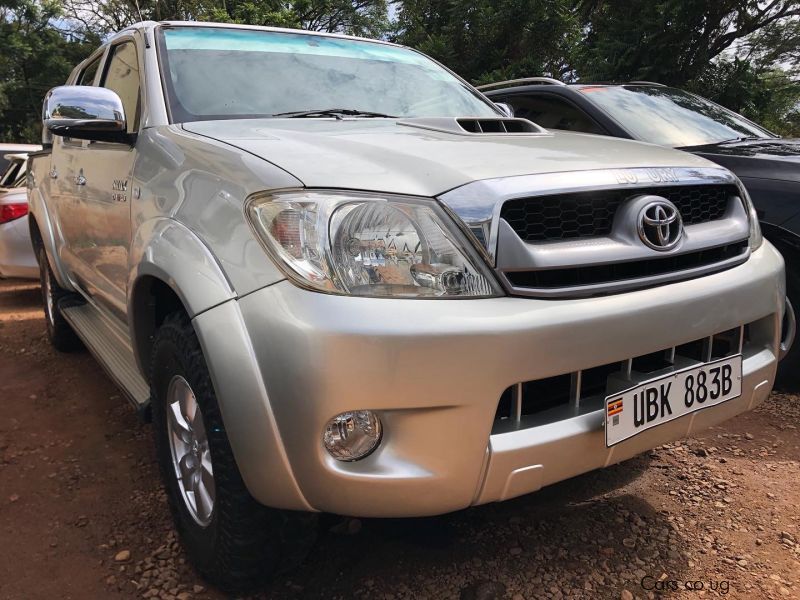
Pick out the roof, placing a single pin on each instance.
(548, 82)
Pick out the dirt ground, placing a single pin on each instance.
(82, 514)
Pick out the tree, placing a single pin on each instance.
(355, 17)
(670, 41)
(484, 40)
(36, 56)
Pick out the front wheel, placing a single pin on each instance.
(789, 368)
(232, 540)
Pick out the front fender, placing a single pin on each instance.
(166, 250)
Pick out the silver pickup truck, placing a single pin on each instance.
(341, 280)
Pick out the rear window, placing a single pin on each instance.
(12, 172)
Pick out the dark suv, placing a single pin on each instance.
(767, 164)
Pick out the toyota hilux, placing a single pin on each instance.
(339, 279)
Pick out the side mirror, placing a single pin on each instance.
(85, 112)
(505, 108)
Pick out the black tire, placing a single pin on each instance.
(788, 378)
(244, 543)
(61, 335)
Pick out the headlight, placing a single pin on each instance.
(755, 229)
(369, 245)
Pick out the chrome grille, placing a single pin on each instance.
(591, 214)
(577, 234)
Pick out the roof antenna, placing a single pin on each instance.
(138, 10)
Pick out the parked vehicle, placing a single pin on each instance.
(340, 280)
(17, 258)
(768, 165)
(14, 149)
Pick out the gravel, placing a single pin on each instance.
(82, 513)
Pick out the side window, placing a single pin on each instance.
(552, 112)
(122, 76)
(87, 76)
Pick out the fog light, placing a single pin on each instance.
(352, 435)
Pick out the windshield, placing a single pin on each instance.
(671, 117)
(226, 73)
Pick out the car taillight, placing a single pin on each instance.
(9, 212)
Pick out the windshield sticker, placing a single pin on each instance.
(242, 40)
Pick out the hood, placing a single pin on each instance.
(764, 159)
(403, 158)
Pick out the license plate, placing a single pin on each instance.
(663, 399)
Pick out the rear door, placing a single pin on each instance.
(64, 197)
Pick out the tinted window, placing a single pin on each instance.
(671, 117)
(552, 112)
(122, 76)
(87, 76)
(235, 73)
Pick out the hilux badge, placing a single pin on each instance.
(660, 225)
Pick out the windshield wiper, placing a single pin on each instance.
(742, 138)
(331, 112)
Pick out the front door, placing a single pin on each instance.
(104, 178)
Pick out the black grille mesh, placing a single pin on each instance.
(590, 214)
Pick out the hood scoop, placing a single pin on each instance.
(476, 126)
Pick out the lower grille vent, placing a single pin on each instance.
(543, 401)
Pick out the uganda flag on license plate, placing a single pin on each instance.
(615, 407)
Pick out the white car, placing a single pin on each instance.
(5, 149)
(17, 258)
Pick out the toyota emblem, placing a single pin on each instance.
(660, 225)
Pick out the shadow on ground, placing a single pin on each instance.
(581, 538)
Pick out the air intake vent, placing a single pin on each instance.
(497, 126)
(475, 126)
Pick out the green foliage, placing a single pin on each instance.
(36, 56)
(483, 40)
(355, 17)
(745, 54)
(671, 41)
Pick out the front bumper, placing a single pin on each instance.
(17, 258)
(284, 361)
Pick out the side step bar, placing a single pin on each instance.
(113, 354)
